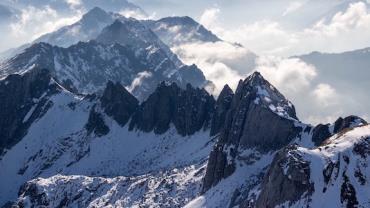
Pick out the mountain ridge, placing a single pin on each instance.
(104, 146)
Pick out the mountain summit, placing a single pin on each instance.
(125, 51)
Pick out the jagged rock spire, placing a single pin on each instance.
(259, 118)
(118, 103)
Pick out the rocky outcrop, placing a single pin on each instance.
(118, 103)
(96, 124)
(348, 122)
(290, 174)
(188, 110)
(223, 104)
(322, 132)
(259, 118)
(22, 100)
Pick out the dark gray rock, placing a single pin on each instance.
(23, 99)
(188, 110)
(251, 123)
(320, 133)
(37, 197)
(118, 103)
(96, 124)
(348, 193)
(348, 122)
(223, 104)
(287, 179)
(127, 52)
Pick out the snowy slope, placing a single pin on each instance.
(340, 170)
(58, 143)
(107, 150)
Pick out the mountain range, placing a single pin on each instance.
(179, 147)
(102, 113)
(125, 50)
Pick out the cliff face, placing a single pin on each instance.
(22, 100)
(188, 110)
(331, 174)
(246, 148)
(259, 118)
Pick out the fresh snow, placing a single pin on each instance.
(58, 144)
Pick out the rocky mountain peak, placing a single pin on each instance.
(118, 103)
(96, 14)
(259, 118)
(223, 104)
(267, 95)
(189, 110)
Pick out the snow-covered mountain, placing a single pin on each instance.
(107, 136)
(179, 147)
(124, 51)
(259, 161)
(87, 28)
(171, 30)
(180, 30)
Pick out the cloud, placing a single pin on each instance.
(297, 80)
(329, 34)
(221, 62)
(293, 6)
(325, 95)
(33, 22)
(137, 14)
(74, 3)
(138, 80)
(291, 75)
(209, 17)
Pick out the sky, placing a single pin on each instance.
(268, 27)
(275, 30)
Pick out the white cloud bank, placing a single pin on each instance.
(33, 22)
(221, 62)
(345, 30)
(315, 100)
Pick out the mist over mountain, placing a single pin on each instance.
(107, 106)
(124, 51)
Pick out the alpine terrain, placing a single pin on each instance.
(102, 113)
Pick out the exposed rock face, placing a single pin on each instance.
(118, 103)
(96, 124)
(287, 179)
(322, 132)
(348, 122)
(293, 175)
(188, 110)
(259, 118)
(223, 104)
(127, 52)
(22, 100)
